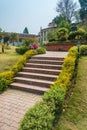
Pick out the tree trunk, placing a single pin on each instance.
(2, 49)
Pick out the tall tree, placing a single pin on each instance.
(83, 10)
(6, 39)
(77, 16)
(0, 34)
(26, 30)
(14, 37)
(62, 22)
(58, 19)
(66, 8)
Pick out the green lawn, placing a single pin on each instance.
(75, 116)
(8, 59)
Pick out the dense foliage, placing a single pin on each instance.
(28, 41)
(21, 49)
(83, 10)
(3, 84)
(51, 35)
(83, 50)
(64, 34)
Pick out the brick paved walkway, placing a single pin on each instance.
(13, 105)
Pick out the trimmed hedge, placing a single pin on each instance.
(38, 118)
(53, 100)
(9, 75)
(22, 49)
(3, 84)
(83, 50)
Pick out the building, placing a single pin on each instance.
(43, 32)
(21, 36)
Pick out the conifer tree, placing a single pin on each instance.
(83, 10)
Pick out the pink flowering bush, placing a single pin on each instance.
(34, 46)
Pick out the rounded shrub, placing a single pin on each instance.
(83, 49)
(33, 46)
(41, 50)
(62, 34)
(22, 49)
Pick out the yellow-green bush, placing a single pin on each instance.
(9, 75)
(68, 69)
(19, 65)
(3, 84)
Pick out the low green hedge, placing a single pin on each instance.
(38, 118)
(22, 49)
(53, 100)
(3, 84)
(9, 75)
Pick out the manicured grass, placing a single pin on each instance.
(8, 58)
(75, 116)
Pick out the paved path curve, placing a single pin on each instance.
(14, 103)
(54, 54)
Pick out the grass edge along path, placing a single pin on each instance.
(75, 116)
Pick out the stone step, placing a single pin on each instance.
(40, 70)
(45, 61)
(37, 76)
(29, 88)
(47, 66)
(48, 58)
(37, 82)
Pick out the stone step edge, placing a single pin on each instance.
(45, 60)
(37, 74)
(53, 70)
(51, 65)
(33, 80)
(28, 87)
(53, 58)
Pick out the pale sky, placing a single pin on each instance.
(15, 15)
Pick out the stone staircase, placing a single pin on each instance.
(38, 74)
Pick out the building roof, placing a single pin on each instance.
(21, 35)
